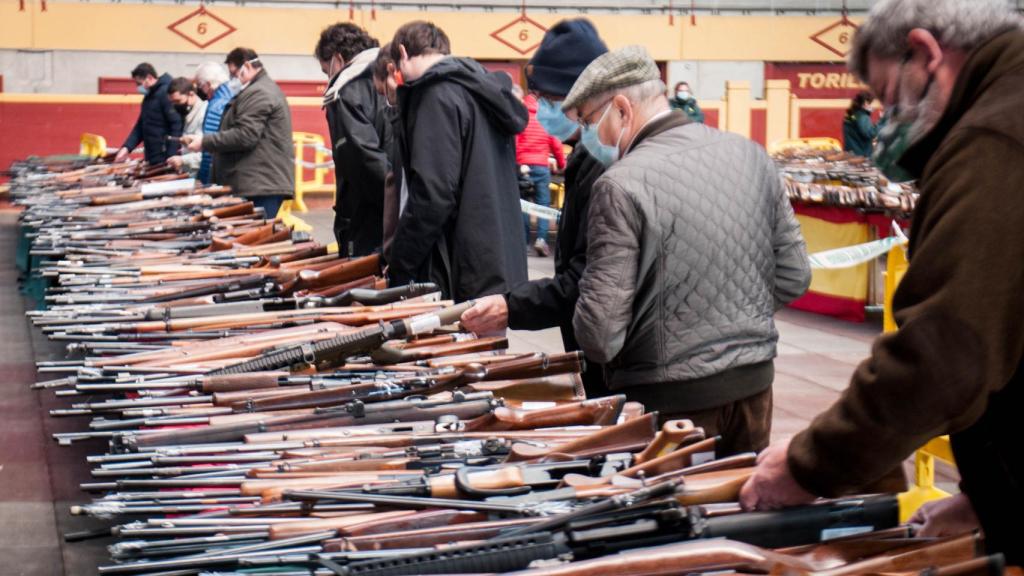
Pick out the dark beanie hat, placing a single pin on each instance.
(567, 48)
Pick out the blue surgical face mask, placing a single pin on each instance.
(554, 121)
(142, 89)
(603, 153)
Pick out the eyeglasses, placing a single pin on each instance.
(584, 119)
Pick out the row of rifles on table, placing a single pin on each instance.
(271, 408)
(842, 179)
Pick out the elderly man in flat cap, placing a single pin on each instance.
(692, 248)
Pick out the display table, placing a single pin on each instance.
(841, 293)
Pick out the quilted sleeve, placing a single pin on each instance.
(605, 306)
(792, 270)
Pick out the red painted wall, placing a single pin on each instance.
(822, 122)
(759, 126)
(711, 117)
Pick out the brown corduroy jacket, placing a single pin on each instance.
(956, 365)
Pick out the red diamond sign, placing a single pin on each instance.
(837, 37)
(522, 34)
(201, 27)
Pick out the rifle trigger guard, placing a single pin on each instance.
(463, 486)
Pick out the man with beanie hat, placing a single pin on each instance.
(567, 48)
(692, 247)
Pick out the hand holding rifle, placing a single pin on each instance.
(122, 155)
(194, 142)
(489, 315)
(772, 486)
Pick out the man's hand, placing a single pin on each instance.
(946, 517)
(194, 143)
(772, 485)
(175, 162)
(122, 155)
(488, 315)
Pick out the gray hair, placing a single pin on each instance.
(957, 24)
(213, 72)
(637, 93)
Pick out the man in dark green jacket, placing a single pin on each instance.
(253, 151)
(684, 100)
(954, 72)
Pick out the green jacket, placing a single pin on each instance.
(689, 107)
(253, 152)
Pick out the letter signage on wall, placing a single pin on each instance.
(815, 80)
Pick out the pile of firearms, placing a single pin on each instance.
(842, 179)
(270, 408)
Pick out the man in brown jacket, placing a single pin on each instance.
(954, 73)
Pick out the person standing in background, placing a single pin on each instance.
(193, 110)
(157, 121)
(683, 100)
(360, 134)
(858, 130)
(212, 86)
(533, 147)
(253, 151)
(385, 81)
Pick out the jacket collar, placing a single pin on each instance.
(988, 63)
(666, 121)
(350, 72)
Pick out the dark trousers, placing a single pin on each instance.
(744, 425)
(270, 204)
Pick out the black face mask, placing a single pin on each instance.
(183, 109)
(201, 94)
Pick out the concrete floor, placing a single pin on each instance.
(39, 480)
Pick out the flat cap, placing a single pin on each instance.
(625, 67)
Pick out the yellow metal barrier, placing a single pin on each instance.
(284, 213)
(92, 145)
(924, 489)
(304, 141)
(806, 143)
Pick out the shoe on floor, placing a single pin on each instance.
(541, 248)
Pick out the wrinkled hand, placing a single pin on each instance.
(175, 162)
(772, 485)
(122, 155)
(489, 314)
(946, 517)
(194, 143)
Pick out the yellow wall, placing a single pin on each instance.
(144, 28)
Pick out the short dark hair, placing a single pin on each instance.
(143, 70)
(859, 101)
(345, 39)
(683, 83)
(181, 85)
(420, 37)
(380, 65)
(241, 55)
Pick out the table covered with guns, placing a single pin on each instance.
(270, 408)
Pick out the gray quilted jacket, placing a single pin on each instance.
(692, 247)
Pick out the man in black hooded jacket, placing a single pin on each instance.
(159, 124)
(360, 137)
(461, 225)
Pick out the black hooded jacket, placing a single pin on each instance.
(360, 136)
(157, 120)
(462, 226)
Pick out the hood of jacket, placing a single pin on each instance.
(351, 71)
(492, 91)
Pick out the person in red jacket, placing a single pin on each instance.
(533, 146)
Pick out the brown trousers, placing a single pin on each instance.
(744, 425)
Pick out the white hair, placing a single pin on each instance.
(957, 24)
(213, 72)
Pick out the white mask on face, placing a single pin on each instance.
(683, 94)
